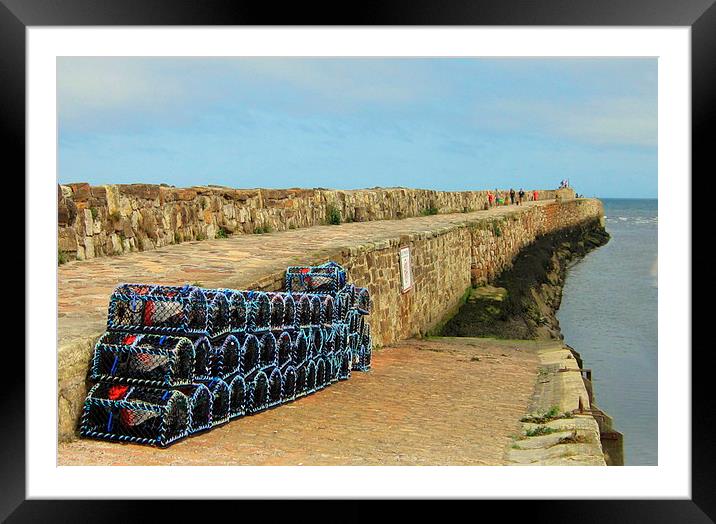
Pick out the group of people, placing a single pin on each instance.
(515, 197)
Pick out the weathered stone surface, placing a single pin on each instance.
(66, 208)
(81, 191)
(67, 240)
(145, 191)
(573, 440)
(185, 212)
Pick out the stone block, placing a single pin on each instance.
(144, 191)
(67, 239)
(81, 191)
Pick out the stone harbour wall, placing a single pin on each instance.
(95, 221)
(446, 261)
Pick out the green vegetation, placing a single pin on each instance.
(61, 257)
(201, 236)
(432, 210)
(496, 230)
(539, 431)
(115, 216)
(333, 215)
(177, 238)
(262, 230)
(552, 414)
(222, 233)
(95, 213)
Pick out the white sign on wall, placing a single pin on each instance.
(406, 270)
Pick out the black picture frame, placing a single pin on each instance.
(16, 15)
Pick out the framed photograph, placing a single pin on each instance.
(240, 199)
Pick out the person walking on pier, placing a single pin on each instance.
(490, 198)
(512, 196)
(535, 195)
(522, 195)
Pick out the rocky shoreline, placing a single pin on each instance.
(523, 301)
(522, 304)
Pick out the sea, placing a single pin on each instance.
(609, 316)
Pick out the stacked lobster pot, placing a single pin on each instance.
(179, 360)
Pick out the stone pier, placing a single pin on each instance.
(449, 253)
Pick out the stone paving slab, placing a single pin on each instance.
(425, 402)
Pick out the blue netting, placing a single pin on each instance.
(179, 360)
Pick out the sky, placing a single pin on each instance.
(347, 123)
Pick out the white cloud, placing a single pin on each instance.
(598, 121)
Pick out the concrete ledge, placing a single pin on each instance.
(573, 441)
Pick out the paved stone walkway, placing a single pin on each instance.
(84, 286)
(425, 402)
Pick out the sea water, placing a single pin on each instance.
(609, 315)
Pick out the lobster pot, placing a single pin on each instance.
(316, 311)
(259, 312)
(226, 357)
(258, 392)
(202, 357)
(311, 376)
(335, 373)
(275, 387)
(366, 355)
(267, 350)
(361, 300)
(200, 405)
(328, 377)
(301, 347)
(346, 364)
(135, 414)
(303, 310)
(288, 383)
(340, 336)
(365, 339)
(289, 312)
(353, 321)
(316, 337)
(277, 310)
(238, 396)
(250, 355)
(320, 373)
(238, 311)
(301, 380)
(364, 352)
(158, 309)
(220, 401)
(218, 321)
(329, 341)
(284, 348)
(150, 360)
(325, 279)
(353, 342)
(327, 310)
(342, 306)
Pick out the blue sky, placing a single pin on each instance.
(437, 123)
